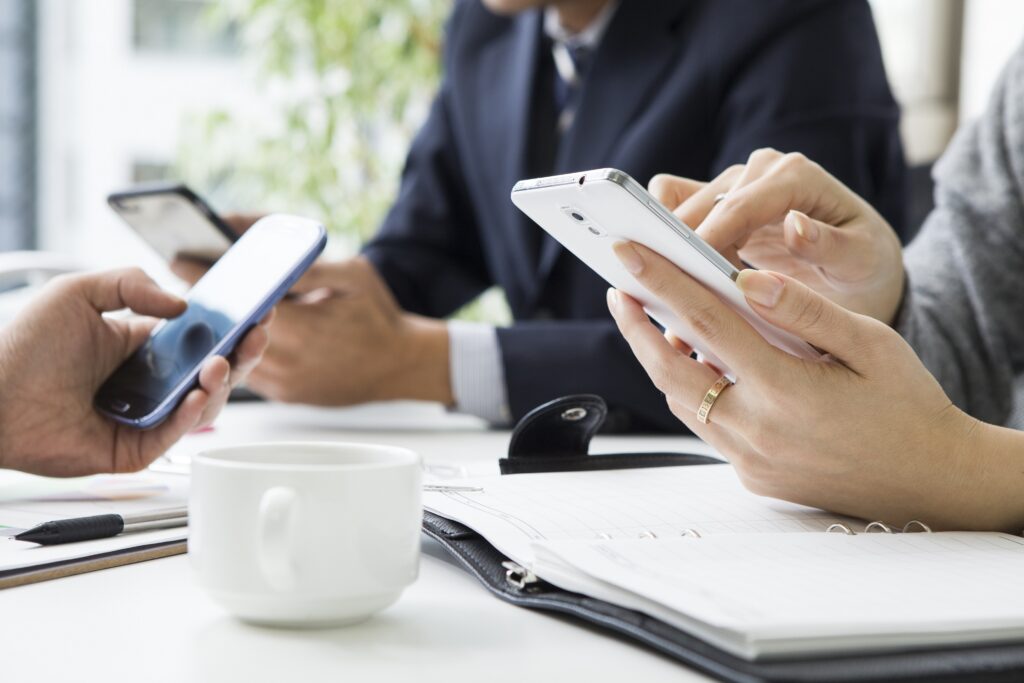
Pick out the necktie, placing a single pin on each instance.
(571, 66)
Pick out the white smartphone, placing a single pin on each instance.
(175, 221)
(589, 211)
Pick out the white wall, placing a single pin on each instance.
(104, 106)
(943, 77)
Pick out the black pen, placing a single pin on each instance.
(102, 526)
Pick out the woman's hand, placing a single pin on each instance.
(56, 355)
(784, 213)
(865, 431)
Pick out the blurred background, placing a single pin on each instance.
(241, 99)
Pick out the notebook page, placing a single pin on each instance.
(799, 593)
(512, 511)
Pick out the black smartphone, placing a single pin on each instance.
(175, 221)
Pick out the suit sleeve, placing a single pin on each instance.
(547, 359)
(428, 248)
(964, 313)
(818, 86)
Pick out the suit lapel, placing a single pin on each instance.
(641, 42)
(505, 85)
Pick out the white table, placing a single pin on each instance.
(150, 622)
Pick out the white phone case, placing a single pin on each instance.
(589, 211)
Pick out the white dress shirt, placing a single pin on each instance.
(477, 372)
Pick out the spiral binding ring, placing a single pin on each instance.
(924, 527)
(693, 533)
(841, 528)
(878, 526)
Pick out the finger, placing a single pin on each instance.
(846, 257)
(214, 380)
(728, 443)
(189, 270)
(672, 371)
(711, 325)
(154, 442)
(793, 183)
(758, 164)
(794, 307)
(677, 343)
(248, 354)
(672, 190)
(696, 208)
(128, 288)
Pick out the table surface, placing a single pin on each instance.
(151, 622)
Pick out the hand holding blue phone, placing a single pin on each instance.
(236, 293)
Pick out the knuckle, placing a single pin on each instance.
(662, 374)
(733, 171)
(793, 161)
(764, 155)
(812, 312)
(705, 322)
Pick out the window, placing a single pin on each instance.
(17, 124)
(179, 26)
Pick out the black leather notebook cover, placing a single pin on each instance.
(556, 437)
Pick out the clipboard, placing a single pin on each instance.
(115, 558)
(555, 437)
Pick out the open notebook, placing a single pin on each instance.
(748, 584)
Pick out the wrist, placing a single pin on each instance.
(423, 370)
(976, 477)
(999, 453)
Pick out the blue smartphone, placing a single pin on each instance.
(233, 296)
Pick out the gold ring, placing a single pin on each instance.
(720, 196)
(709, 398)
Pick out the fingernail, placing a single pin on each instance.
(629, 257)
(761, 288)
(613, 300)
(805, 227)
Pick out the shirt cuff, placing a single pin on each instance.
(477, 373)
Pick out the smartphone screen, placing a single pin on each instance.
(235, 293)
(175, 222)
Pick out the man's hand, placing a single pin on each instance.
(342, 339)
(785, 213)
(54, 357)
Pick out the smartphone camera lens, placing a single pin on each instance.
(577, 216)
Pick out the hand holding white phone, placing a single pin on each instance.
(589, 211)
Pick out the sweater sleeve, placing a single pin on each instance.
(964, 311)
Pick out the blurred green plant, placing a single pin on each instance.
(344, 86)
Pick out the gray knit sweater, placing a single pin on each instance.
(964, 311)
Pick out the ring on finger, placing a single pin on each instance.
(711, 396)
(720, 196)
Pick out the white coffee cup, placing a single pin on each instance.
(305, 534)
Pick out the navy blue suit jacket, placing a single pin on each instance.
(683, 87)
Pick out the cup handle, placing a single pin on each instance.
(277, 508)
